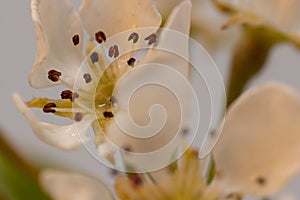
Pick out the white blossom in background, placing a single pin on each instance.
(281, 15)
(260, 141)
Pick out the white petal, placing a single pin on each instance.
(62, 137)
(63, 185)
(260, 143)
(56, 22)
(115, 16)
(150, 95)
(178, 21)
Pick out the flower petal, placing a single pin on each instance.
(115, 16)
(260, 142)
(281, 14)
(56, 23)
(62, 137)
(62, 185)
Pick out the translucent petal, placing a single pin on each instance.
(260, 142)
(56, 23)
(62, 185)
(115, 16)
(62, 137)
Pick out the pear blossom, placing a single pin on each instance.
(181, 180)
(88, 98)
(280, 15)
(259, 145)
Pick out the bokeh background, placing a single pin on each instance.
(17, 53)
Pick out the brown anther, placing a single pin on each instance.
(48, 108)
(131, 62)
(78, 117)
(107, 114)
(68, 94)
(151, 38)
(75, 39)
(94, 57)
(87, 78)
(100, 37)
(113, 51)
(134, 37)
(54, 75)
(113, 100)
(261, 181)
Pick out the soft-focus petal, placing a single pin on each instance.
(115, 16)
(62, 185)
(260, 143)
(62, 137)
(281, 14)
(56, 22)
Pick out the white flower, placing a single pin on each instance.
(281, 15)
(259, 145)
(60, 55)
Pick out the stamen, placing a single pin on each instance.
(68, 94)
(113, 51)
(94, 57)
(107, 114)
(131, 62)
(48, 108)
(54, 75)
(134, 37)
(78, 117)
(87, 78)
(100, 37)
(75, 39)
(151, 38)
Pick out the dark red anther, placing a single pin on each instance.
(151, 38)
(134, 37)
(94, 57)
(107, 114)
(75, 39)
(100, 37)
(87, 78)
(48, 108)
(54, 75)
(131, 62)
(68, 94)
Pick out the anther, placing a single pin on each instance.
(48, 108)
(131, 62)
(107, 114)
(87, 78)
(113, 51)
(54, 75)
(151, 38)
(100, 37)
(94, 57)
(261, 181)
(68, 94)
(78, 117)
(134, 37)
(75, 39)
